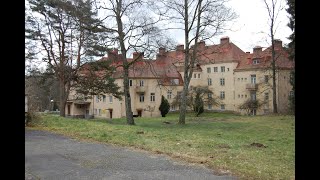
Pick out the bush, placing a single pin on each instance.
(198, 105)
(31, 118)
(164, 106)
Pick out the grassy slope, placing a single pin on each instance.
(220, 141)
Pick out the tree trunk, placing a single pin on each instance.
(62, 98)
(127, 98)
(183, 106)
(274, 85)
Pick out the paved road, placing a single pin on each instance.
(51, 156)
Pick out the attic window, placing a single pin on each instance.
(256, 61)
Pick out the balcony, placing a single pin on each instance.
(140, 89)
(252, 87)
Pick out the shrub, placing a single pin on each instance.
(164, 106)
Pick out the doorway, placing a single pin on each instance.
(69, 110)
(110, 112)
(139, 112)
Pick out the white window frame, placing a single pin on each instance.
(223, 69)
(222, 95)
(222, 82)
(169, 94)
(209, 81)
(152, 97)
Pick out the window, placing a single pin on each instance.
(222, 81)
(245, 96)
(99, 112)
(97, 98)
(141, 83)
(141, 98)
(110, 99)
(169, 94)
(245, 79)
(238, 79)
(253, 79)
(222, 95)
(266, 78)
(256, 61)
(238, 95)
(266, 96)
(194, 75)
(209, 106)
(174, 81)
(223, 69)
(172, 108)
(253, 112)
(104, 98)
(222, 107)
(208, 70)
(209, 81)
(152, 97)
(284, 77)
(199, 76)
(130, 82)
(241, 95)
(215, 69)
(209, 95)
(227, 69)
(95, 111)
(241, 79)
(179, 94)
(253, 96)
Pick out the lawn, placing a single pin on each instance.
(248, 147)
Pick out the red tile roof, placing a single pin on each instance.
(282, 61)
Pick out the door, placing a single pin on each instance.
(139, 112)
(68, 109)
(110, 111)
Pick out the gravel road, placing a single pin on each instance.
(51, 156)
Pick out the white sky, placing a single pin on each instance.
(251, 28)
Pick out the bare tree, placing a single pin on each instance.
(132, 29)
(273, 8)
(199, 20)
(66, 33)
(198, 94)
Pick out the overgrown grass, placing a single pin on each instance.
(221, 141)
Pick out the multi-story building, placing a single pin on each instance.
(233, 75)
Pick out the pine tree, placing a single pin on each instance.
(164, 106)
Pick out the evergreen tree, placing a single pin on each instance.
(164, 106)
(66, 33)
(291, 24)
(198, 108)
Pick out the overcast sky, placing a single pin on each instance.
(252, 21)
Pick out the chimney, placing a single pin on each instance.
(180, 47)
(201, 45)
(277, 43)
(112, 54)
(224, 40)
(162, 50)
(136, 55)
(248, 52)
(257, 49)
(115, 51)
